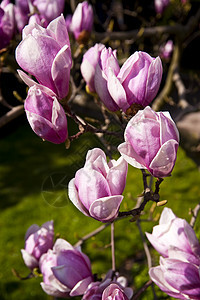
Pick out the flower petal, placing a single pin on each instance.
(102, 90)
(117, 176)
(157, 275)
(128, 153)
(30, 261)
(163, 163)
(91, 185)
(80, 287)
(106, 209)
(116, 90)
(153, 80)
(73, 196)
(60, 71)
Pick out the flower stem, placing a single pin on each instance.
(112, 227)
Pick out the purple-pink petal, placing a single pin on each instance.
(106, 209)
(93, 186)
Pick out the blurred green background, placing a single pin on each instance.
(28, 166)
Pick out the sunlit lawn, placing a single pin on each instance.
(27, 167)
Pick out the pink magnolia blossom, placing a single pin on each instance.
(160, 5)
(137, 81)
(50, 9)
(45, 53)
(45, 115)
(7, 23)
(173, 232)
(167, 49)
(178, 274)
(66, 270)
(97, 187)
(151, 142)
(37, 241)
(89, 64)
(114, 292)
(82, 19)
(109, 287)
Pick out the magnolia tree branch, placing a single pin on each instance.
(11, 115)
(148, 195)
(86, 127)
(182, 31)
(183, 103)
(145, 286)
(162, 97)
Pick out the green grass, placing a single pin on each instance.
(27, 164)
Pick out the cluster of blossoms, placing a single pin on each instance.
(14, 17)
(45, 53)
(66, 270)
(178, 274)
(151, 141)
(136, 82)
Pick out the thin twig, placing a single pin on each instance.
(86, 127)
(195, 212)
(144, 176)
(146, 249)
(91, 234)
(112, 229)
(16, 274)
(145, 286)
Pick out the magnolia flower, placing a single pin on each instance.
(82, 21)
(178, 274)
(66, 270)
(45, 53)
(114, 292)
(7, 23)
(50, 9)
(173, 232)
(151, 142)
(109, 288)
(45, 115)
(47, 9)
(167, 49)
(137, 82)
(37, 241)
(97, 187)
(160, 5)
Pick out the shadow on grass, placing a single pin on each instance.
(27, 163)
